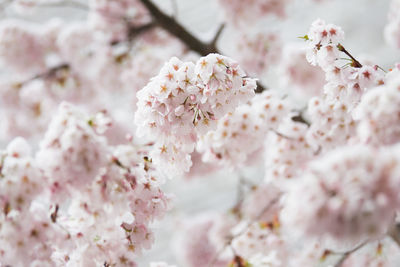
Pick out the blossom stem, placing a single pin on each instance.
(348, 253)
(355, 63)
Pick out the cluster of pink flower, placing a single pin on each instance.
(351, 192)
(79, 201)
(286, 155)
(13, 32)
(378, 113)
(184, 102)
(333, 183)
(56, 52)
(115, 17)
(90, 192)
(332, 122)
(241, 133)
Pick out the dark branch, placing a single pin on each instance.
(301, 119)
(260, 88)
(134, 32)
(174, 28)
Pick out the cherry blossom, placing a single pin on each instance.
(99, 109)
(186, 100)
(378, 113)
(341, 205)
(241, 133)
(71, 152)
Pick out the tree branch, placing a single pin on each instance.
(299, 118)
(174, 28)
(260, 88)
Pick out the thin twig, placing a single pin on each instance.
(260, 88)
(355, 63)
(135, 31)
(50, 73)
(348, 253)
(218, 34)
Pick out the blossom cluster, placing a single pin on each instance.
(378, 113)
(241, 133)
(185, 101)
(331, 172)
(79, 201)
(350, 194)
(332, 123)
(84, 190)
